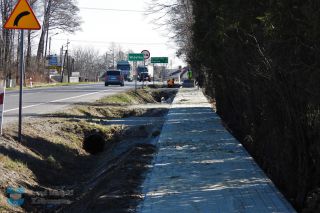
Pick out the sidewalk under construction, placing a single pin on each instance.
(201, 167)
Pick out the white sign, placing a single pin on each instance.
(146, 54)
(2, 96)
(75, 74)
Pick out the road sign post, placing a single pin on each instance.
(146, 55)
(144, 67)
(22, 17)
(153, 74)
(21, 84)
(135, 75)
(135, 57)
(160, 60)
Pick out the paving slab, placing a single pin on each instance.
(201, 167)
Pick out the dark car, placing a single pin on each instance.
(144, 76)
(114, 77)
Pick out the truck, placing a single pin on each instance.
(143, 73)
(125, 68)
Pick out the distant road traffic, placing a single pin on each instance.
(47, 100)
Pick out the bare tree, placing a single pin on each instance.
(88, 62)
(30, 36)
(58, 15)
(91, 64)
(115, 54)
(6, 39)
(176, 17)
(112, 53)
(120, 54)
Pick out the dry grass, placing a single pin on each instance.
(53, 144)
(132, 97)
(13, 164)
(52, 151)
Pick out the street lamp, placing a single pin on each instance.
(50, 42)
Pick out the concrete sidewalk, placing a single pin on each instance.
(200, 167)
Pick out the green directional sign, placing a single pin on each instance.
(136, 57)
(159, 60)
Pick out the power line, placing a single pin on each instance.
(106, 42)
(112, 9)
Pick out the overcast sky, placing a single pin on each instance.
(132, 30)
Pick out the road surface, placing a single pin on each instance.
(46, 100)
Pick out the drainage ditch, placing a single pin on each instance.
(108, 176)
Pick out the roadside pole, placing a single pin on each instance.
(135, 57)
(2, 98)
(162, 75)
(21, 84)
(153, 74)
(161, 61)
(135, 75)
(144, 67)
(22, 10)
(166, 69)
(146, 55)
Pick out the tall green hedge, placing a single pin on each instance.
(261, 61)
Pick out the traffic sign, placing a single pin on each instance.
(22, 17)
(146, 54)
(159, 60)
(136, 57)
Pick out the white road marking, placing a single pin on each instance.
(14, 95)
(54, 101)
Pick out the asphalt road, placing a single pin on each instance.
(46, 100)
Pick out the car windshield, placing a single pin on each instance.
(123, 66)
(113, 73)
(142, 69)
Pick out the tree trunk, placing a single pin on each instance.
(28, 56)
(44, 31)
(7, 42)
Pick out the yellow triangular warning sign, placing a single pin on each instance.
(22, 17)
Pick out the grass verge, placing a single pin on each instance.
(52, 154)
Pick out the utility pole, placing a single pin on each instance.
(46, 47)
(50, 45)
(61, 63)
(61, 54)
(62, 66)
(107, 63)
(113, 59)
(67, 53)
(68, 44)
